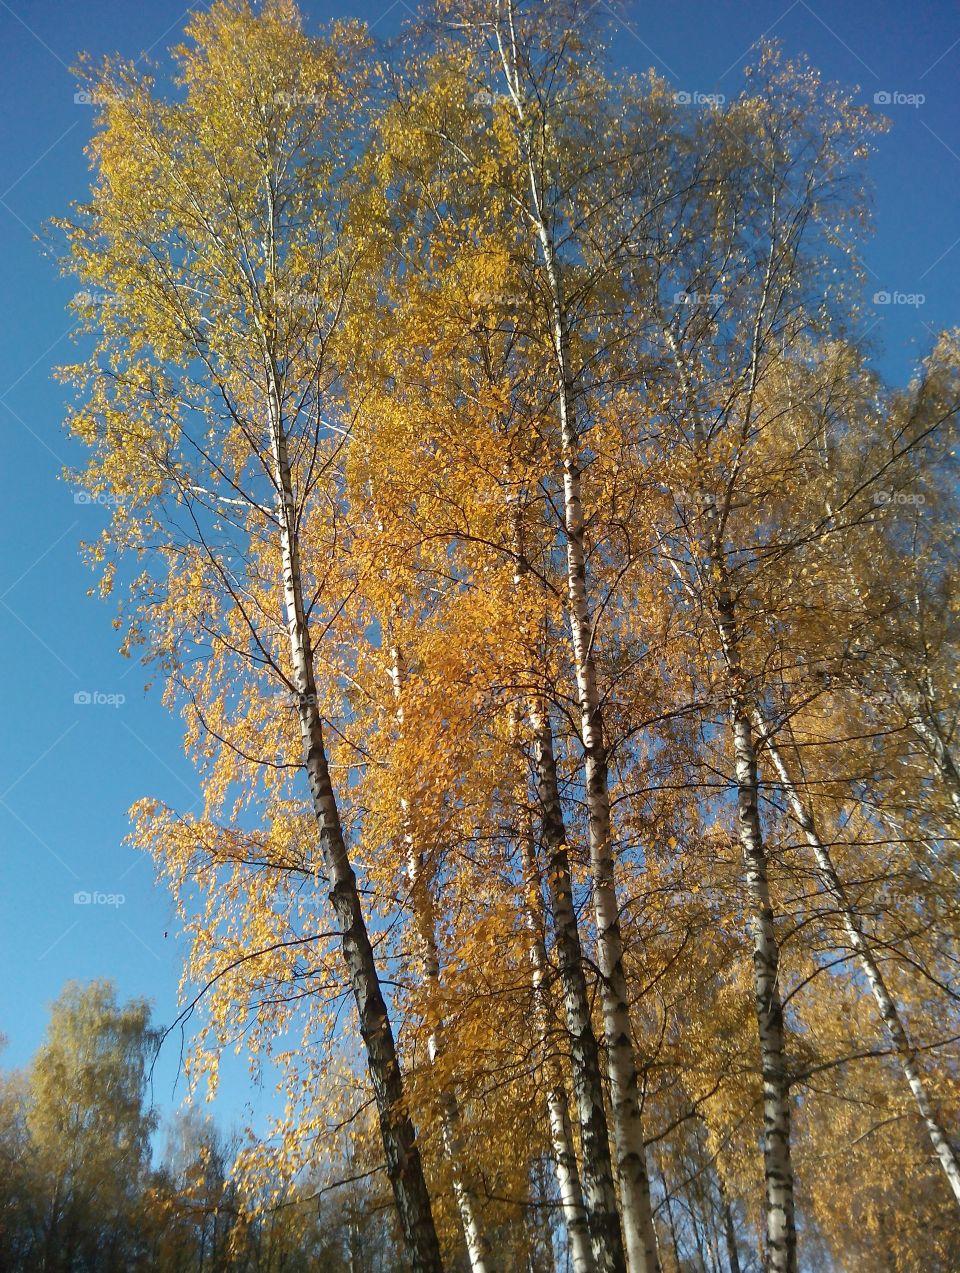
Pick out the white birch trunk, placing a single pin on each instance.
(781, 1233)
(639, 1232)
(598, 1194)
(889, 1013)
(478, 1250)
(779, 1205)
(561, 1134)
(598, 1179)
(404, 1167)
(636, 1210)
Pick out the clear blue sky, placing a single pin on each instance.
(69, 771)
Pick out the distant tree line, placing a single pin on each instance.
(81, 1191)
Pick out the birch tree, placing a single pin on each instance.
(492, 450)
(217, 224)
(860, 945)
(523, 66)
(728, 299)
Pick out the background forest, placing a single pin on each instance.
(80, 1189)
(562, 615)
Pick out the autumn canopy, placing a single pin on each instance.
(562, 615)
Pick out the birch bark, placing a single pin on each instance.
(478, 1249)
(561, 1133)
(598, 1187)
(781, 1234)
(404, 1166)
(599, 1190)
(859, 943)
(780, 1217)
(637, 1212)
(925, 726)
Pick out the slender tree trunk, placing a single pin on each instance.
(598, 1195)
(729, 1229)
(542, 1257)
(421, 898)
(859, 943)
(638, 1228)
(639, 1231)
(561, 1133)
(598, 1183)
(781, 1231)
(581, 1253)
(697, 1228)
(778, 1167)
(779, 1207)
(671, 1223)
(920, 718)
(730, 1235)
(50, 1231)
(404, 1167)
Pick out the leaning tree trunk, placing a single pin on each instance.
(404, 1167)
(781, 1233)
(638, 1228)
(779, 1205)
(478, 1250)
(639, 1231)
(599, 1195)
(889, 1013)
(599, 1190)
(561, 1133)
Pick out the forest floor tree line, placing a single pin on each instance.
(563, 616)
